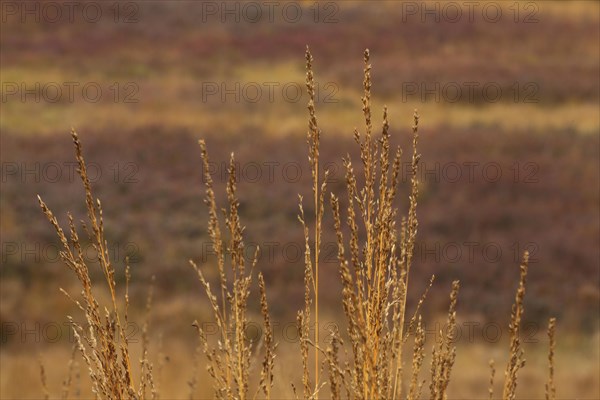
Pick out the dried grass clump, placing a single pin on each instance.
(375, 273)
(103, 343)
(229, 361)
(375, 256)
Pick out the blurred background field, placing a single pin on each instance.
(171, 73)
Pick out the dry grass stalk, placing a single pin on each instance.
(146, 375)
(550, 389)
(416, 385)
(319, 186)
(229, 362)
(444, 354)
(375, 275)
(336, 372)
(492, 376)
(516, 360)
(303, 317)
(103, 344)
(266, 374)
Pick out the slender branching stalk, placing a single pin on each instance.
(375, 273)
(444, 353)
(492, 376)
(516, 360)
(229, 362)
(103, 344)
(319, 186)
(550, 389)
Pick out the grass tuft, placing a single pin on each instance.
(375, 257)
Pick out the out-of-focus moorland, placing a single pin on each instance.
(176, 72)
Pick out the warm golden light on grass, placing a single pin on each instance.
(375, 247)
